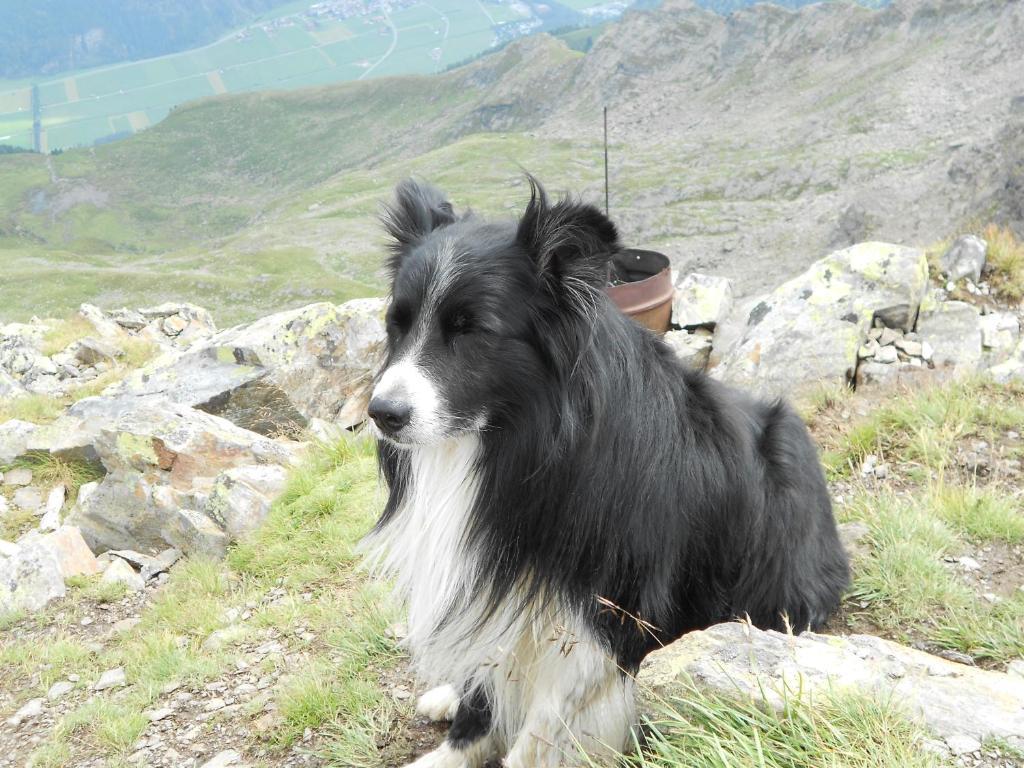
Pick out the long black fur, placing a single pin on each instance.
(648, 496)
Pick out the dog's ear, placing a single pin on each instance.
(417, 210)
(569, 242)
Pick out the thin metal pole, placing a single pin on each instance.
(606, 213)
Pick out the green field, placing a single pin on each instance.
(291, 50)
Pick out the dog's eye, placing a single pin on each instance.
(457, 323)
(398, 320)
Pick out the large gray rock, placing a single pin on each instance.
(808, 330)
(30, 578)
(955, 702)
(965, 258)
(701, 301)
(275, 374)
(953, 328)
(15, 439)
(162, 460)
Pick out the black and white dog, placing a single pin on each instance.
(566, 497)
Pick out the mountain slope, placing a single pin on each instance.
(746, 145)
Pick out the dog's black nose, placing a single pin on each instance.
(389, 415)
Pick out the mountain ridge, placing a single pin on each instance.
(748, 144)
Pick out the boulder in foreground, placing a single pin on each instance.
(961, 705)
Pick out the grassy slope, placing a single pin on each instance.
(213, 205)
(304, 559)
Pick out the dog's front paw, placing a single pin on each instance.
(442, 757)
(438, 704)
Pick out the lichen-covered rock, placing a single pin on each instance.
(953, 329)
(241, 498)
(701, 301)
(953, 701)
(692, 348)
(29, 579)
(965, 258)
(809, 330)
(163, 458)
(276, 373)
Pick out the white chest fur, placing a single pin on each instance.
(423, 550)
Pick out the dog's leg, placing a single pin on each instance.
(580, 702)
(470, 742)
(439, 703)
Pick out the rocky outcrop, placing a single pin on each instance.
(811, 328)
(162, 462)
(962, 705)
(274, 375)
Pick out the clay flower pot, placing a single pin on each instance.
(640, 284)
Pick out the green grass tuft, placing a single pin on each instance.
(63, 333)
(704, 730)
(1005, 261)
(34, 408)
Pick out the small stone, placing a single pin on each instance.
(18, 476)
(887, 337)
(887, 355)
(28, 499)
(32, 708)
(156, 715)
(868, 350)
(969, 563)
(912, 348)
(223, 759)
(124, 625)
(882, 471)
(214, 704)
(868, 467)
(119, 572)
(86, 621)
(112, 678)
(962, 744)
(59, 689)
